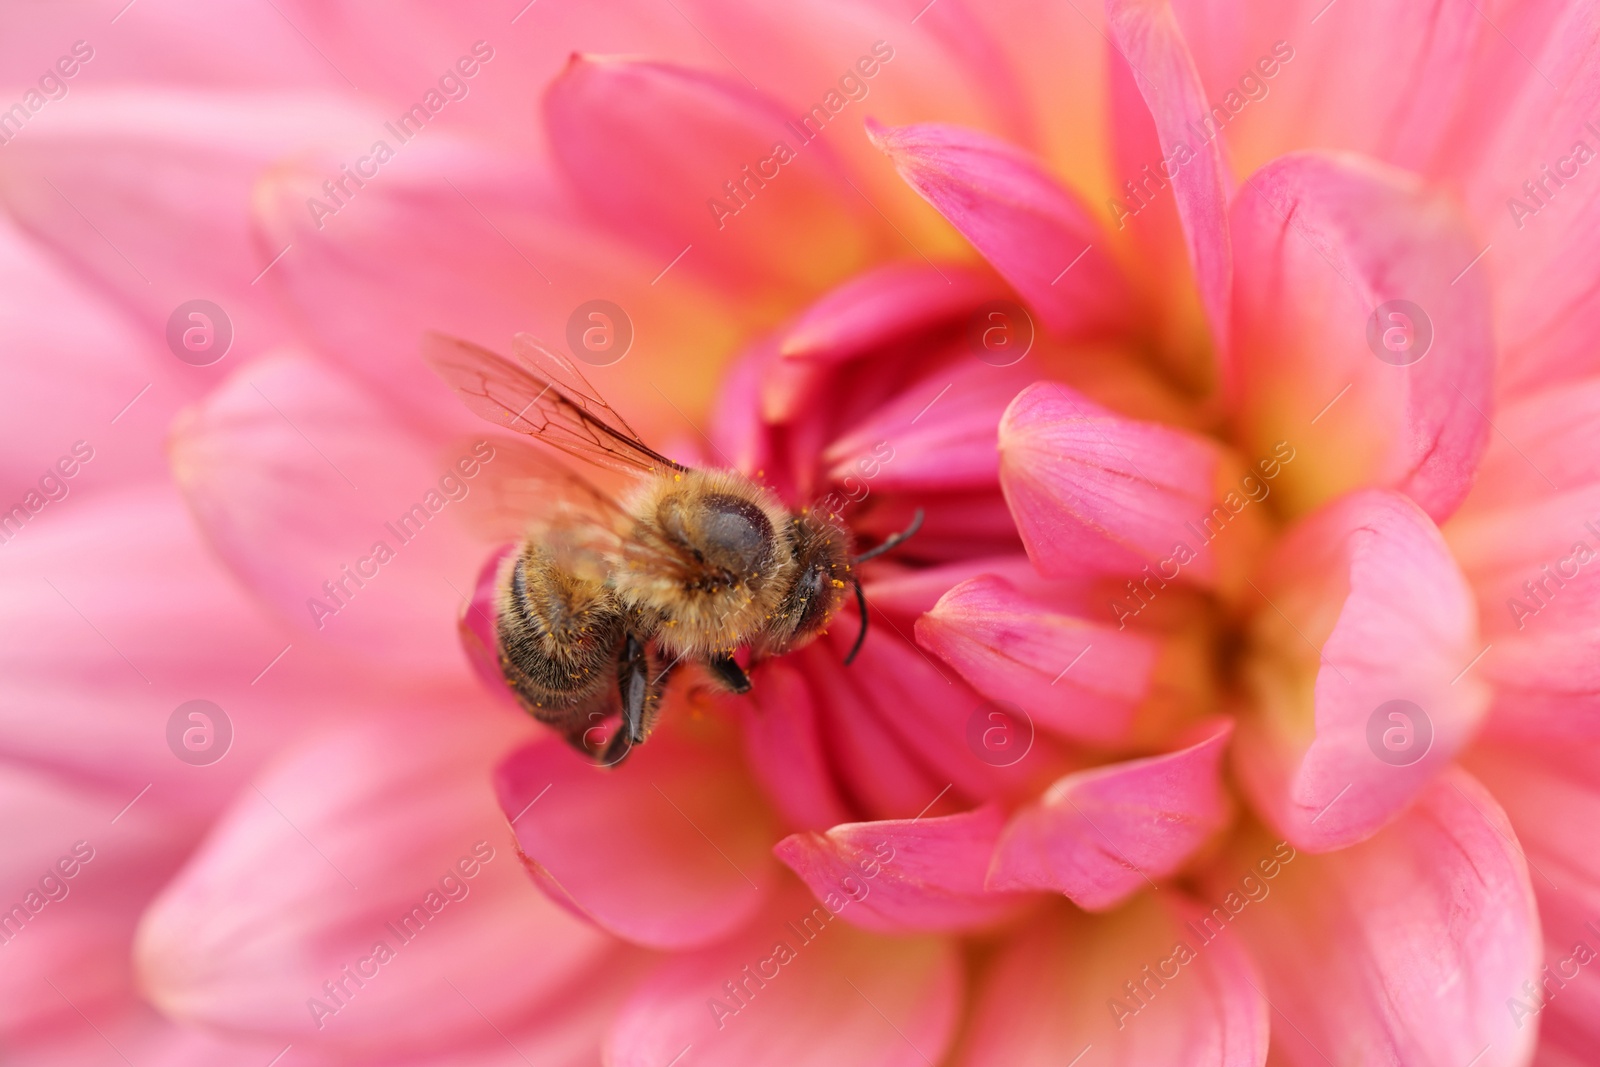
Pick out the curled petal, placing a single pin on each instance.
(1358, 663)
(1377, 369)
(1422, 936)
(937, 437)
(904, 875)
(882, 305)
(1011, 647)
(1091, 489)
(1147, 37)
(680, 817)
(1101, 835)
(1033, 231)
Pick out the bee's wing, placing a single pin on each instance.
(526, 493)
(544, 395)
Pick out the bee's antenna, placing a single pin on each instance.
(893, 542)
(861, 602)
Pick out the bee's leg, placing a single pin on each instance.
(725, 670)
(633, 675)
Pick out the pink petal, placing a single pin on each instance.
(1282, 87)
(1060, 989)
(911, 592)
(1527, 547)
(892, 303)
(883, 304)
(115, 613)
(1028, 226)
(649, 146)
(929, 715)
(1101, 835)
(1090, 489)
(821, 991)
(939, 437)
(904, 875)
(879, 774)
(1146, 35)
(456, 239)
(73, 371)
(140, 189)
(73, 891)
(680, 816)
(1360, 648)
(1403, 949)
(333, 512)
(1349, 239)
(1549, 794)
(1527, 106)
(950, 63)
(1014, 648)
(333, 853)
(784, 746)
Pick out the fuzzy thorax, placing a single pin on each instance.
(707, 563)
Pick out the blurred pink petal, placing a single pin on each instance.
(1524, 539)
(1551, 796)
(688, 163)
(799, 981)
(1134, 986)
(351, 887)
(353, 532)
(105, 638)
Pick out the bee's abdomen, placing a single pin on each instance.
(558, 634)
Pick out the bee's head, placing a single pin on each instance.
(821, 577)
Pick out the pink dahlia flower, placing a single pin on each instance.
(1236, 701)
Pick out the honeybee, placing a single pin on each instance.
(603, 597)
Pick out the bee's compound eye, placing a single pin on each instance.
(736, 532)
